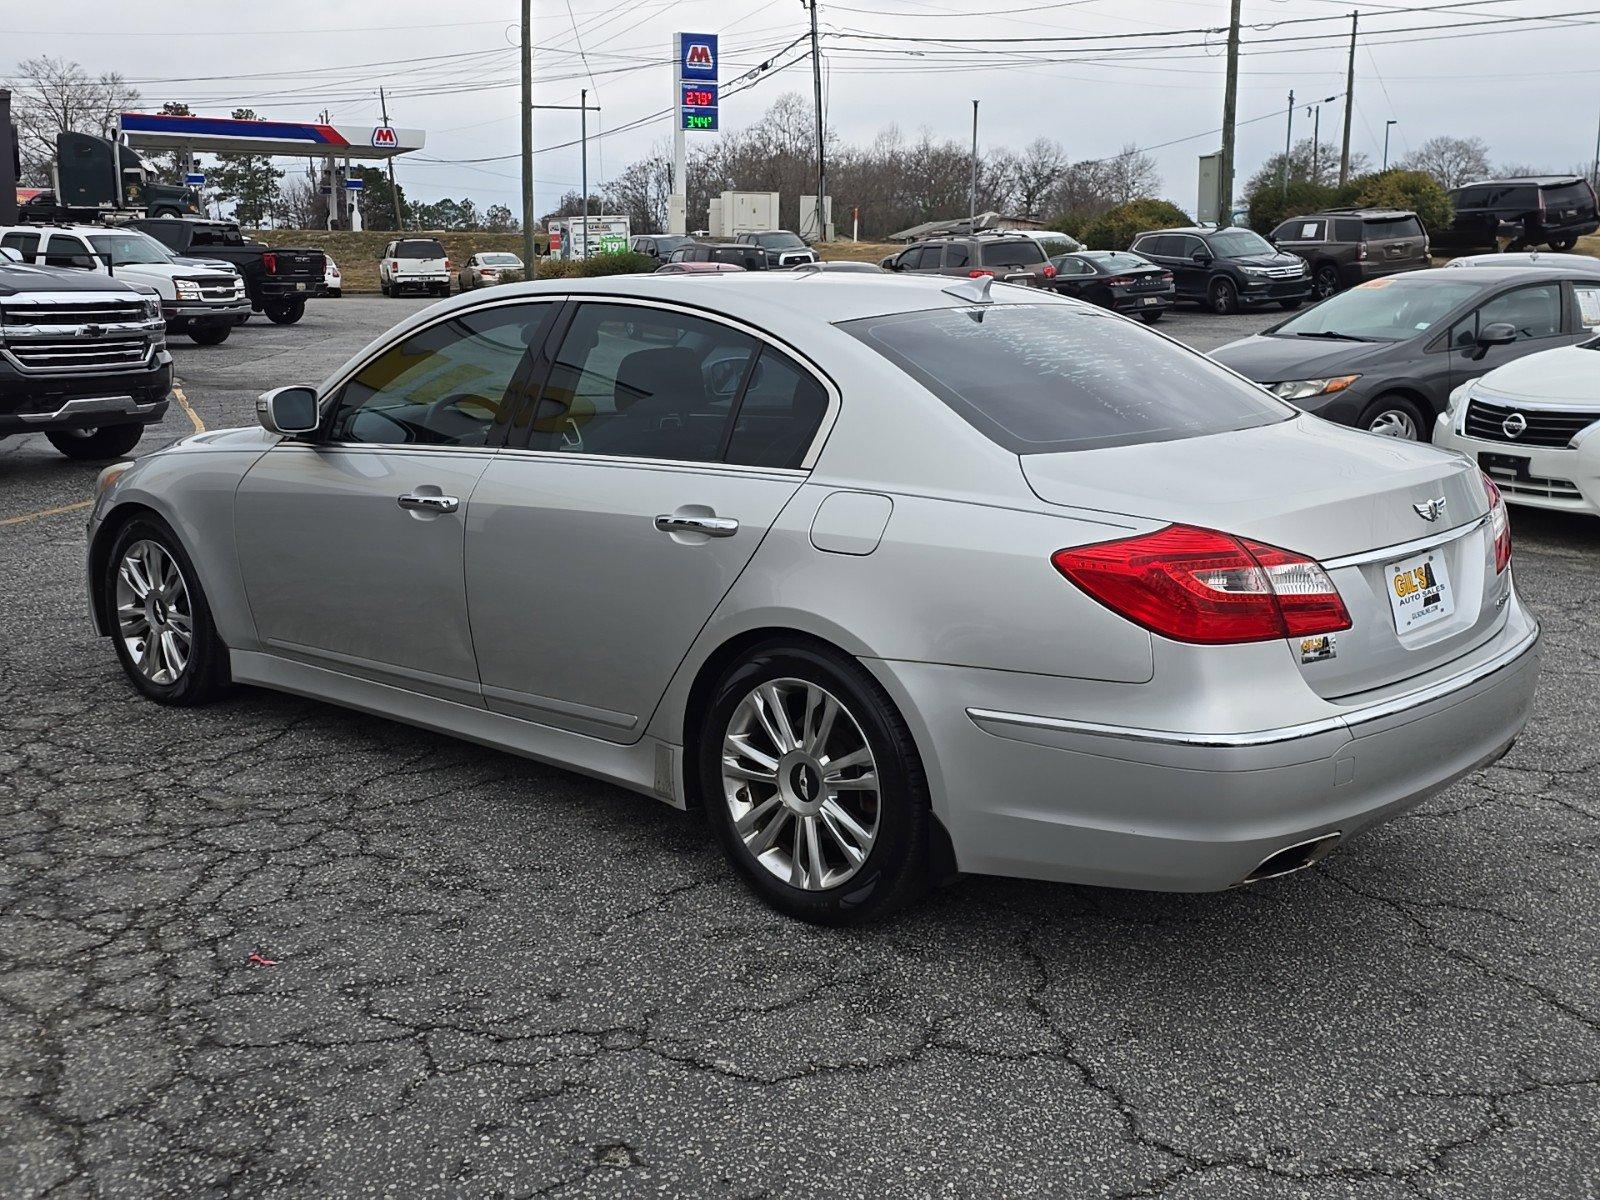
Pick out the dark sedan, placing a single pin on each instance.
(1385, 356)
(1116, 279)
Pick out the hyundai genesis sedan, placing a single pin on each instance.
(890, 578)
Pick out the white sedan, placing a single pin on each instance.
(486, 268)
(1533, 425)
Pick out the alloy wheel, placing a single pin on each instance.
(1395, 423)
(801, 784)
(155, 619)
(1326, 283)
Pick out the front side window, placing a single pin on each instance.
(1044, 378)
(1534, 312)
(1381, 310)
(445, 385)
(65, 251)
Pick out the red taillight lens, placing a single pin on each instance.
(1499, 525)
(1119, 280)
(979, 273)
(1166, 277)
(269, 263)
(447, 264)
(1198, 585)
(1049, 271)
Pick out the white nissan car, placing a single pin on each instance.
(1533, 425)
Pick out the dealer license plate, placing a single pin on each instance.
(1151, 300)
(1419, 591)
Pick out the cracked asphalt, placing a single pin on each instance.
(492, 978)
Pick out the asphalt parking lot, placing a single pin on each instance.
(489, 977)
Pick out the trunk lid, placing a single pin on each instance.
(300, 264)
(1341, 496)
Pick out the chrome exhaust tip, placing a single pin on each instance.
(1293, 858)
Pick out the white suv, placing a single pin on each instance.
(200, 297)
(414, 263)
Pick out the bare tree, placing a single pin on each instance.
(1451, 160)
(1036, 173)
(51, 96)
(299, 204)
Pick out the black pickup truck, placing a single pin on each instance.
(279, 280)
(83, 359)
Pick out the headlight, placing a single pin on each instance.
(188, 289)
(1304, 389)
(152, 308)
(1256, 271)
(1458, 397)
(109, 476)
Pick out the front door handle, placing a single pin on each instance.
(710, 526)
(437, 504)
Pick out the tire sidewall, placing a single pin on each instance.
(1398, 404)
(201, 676)
(1223, 297)
(901, 842)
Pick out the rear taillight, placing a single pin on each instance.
(1361, 252)
(394, 264)
(1499, 525)
(1119, 280)
(1166, 277)
(979, 273)
(1049, 271)
(1198, 585)
(447, 264)
(269, 263)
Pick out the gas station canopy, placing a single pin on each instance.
(222, 135)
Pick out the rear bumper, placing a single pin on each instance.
(286, 289)
(1078, 800)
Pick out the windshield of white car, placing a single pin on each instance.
(129, 249)
(1239, 243)
(1381, 310)
(1046, 378)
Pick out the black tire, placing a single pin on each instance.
(96, 445)
(1397, 416)
(212, 333)
(1562, 244)
(1290, 305)
(286, 312)
(1325, 281)
(383, 286)
(1150, 318)
(895, 869)
(205, 675)
(1222, 297)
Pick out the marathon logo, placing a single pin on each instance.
(697, 55)
(384, 137)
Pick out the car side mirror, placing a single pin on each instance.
(1201, 256)
(1501, 333)
(288, 410)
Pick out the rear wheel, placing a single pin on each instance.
(1222, 297)
(1325, 282)
(383, 286)
(1396, 417)
(286, 312)
(1150, 318)
(813, 785)
(212, 333)
(1562, 244)
(160, 621)
(92, 445)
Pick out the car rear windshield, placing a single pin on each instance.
(500, 260)
(1568, 195)
(1393, 227)
(1381, 310)
(1013, 254)
(1046, 378)
(419, 248)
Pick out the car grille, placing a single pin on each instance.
(71, 312)
(79, 354)
(1284, 272)
(1535, 486)
(1488, 421)
(220, 287)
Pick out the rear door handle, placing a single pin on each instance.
(438, 504)
(710, 526)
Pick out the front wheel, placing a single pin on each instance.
(161, 624)
(1396, 417)
(212, 333)
(286, 312)
(95, 445)
(1290, 305)
(1222, 297)
(813, 785)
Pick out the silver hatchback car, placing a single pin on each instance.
(892, 578)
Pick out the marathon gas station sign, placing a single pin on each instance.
(697, 82)
(223, 135)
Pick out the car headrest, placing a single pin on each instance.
(671, 372)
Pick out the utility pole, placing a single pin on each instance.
(1288, 144)
(1349, 103)
(394, 189)
(583, 158)
(972, 202)
(1387, 125)
(822, 167)
(1316, 143)
(1594, 174)
(1230, 104)
(528, 258)
(10, 161)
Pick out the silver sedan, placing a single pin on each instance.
(890, 578)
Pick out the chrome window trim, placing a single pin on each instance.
(1405, 549)
(807, 462)
(1347, 721)
(671, 464)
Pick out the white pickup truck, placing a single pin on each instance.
(199, 297)
(418, 263)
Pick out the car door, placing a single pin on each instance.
(1538, 313)
(663, 447)
(1074, 276)
(351, 545)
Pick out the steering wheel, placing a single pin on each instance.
(460, 406)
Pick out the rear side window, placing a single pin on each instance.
(418, 248)
(1046, 378)
(1013, 254)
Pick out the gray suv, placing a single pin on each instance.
(1010, 258)
(1347, 246)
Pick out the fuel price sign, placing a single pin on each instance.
(697, 102)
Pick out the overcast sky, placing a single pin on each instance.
(1531, 90)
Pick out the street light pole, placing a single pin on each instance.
(1288, 142)
(972, 195)
(528, 258)
(1230, 103)
(822, 167)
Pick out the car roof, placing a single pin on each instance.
(1356, 212)
(1534, 179)
(1498, 275)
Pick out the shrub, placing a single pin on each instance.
(1116, 229)
(617, 262)
(556, 268)
(1414, 190)
(1269, 207)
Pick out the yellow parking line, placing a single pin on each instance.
(183, 403)
(47, 512)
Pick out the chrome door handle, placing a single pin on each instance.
(710, 526)
(438, 504)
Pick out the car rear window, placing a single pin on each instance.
(1393, 227)
(419, 248)
(1013, 254)
(1567, 195)
(1046, 378)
